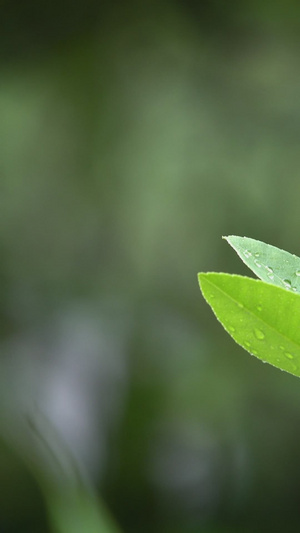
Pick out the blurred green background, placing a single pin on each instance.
(132, 137)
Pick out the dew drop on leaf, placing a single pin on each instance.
(287, 283)
(257, 263)
(259, 308)
(297, 272)
(289, 355)
(259, 334)
(248, 254)
(269, 269)
(232, 329)
(247, 344)
(256, 254)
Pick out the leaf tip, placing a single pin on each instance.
(201, 277)
(228, 237)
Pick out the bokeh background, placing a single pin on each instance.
(133, 135)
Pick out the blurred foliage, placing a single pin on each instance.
(132, 137)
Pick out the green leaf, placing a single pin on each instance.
(263, 318)
(77, 511)
(269, 263)
(70, 499)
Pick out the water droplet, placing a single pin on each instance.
(269, 269)
(282, 347)
(287, 283)
(254, 352)
(259, 308)
(247, 344)
(257, 263)
(270, 276)
(295, 289)
(240, 305)
(259, 334)
(232, 329)
(288, 355)
(297, 272)
(256, 254)
(247, 254)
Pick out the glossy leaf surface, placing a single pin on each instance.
(262, 318)
(269, 263)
